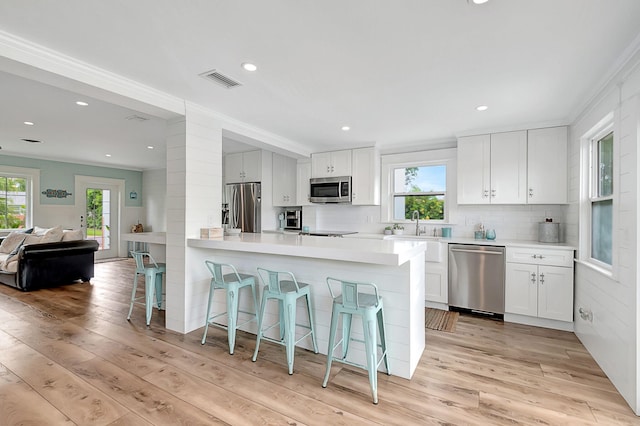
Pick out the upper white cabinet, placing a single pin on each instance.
(243, 167)
(492, 169)
(303, 174)
(365, 182)
(523, 167)
(547, 166)
(328, 164)
(284, 180)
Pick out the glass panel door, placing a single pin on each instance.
(98, 216)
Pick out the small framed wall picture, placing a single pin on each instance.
(133, 195)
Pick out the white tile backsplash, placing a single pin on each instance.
(510, 222)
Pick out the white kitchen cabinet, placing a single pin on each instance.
(492, 169)
(547, 166)
(436, 270)
(329, 164)
(284, 180)
(539, 283)
(303, 174)
(243, 167)
(365, 182)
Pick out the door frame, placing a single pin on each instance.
(82, 183)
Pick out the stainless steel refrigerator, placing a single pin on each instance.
(244, 206)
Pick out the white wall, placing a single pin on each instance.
(154, 200)
(612, 336)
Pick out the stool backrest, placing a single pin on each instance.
(217, 270)
(139, 258)
(350, 291)
(272, 279)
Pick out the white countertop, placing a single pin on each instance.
(146, 237)
(456, 240)
(377, 251)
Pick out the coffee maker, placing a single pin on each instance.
(293, 219)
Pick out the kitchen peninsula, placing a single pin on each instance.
(396, 267)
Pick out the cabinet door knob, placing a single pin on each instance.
(530, 192)
(541, 278)
(535, 256)
(533, 277)
(485, 193)
(493, 193)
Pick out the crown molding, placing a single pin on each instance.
(73, 70)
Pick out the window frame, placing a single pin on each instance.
(32, 177)
(437, 157)
(590, 193)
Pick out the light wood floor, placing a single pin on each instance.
(68, 356)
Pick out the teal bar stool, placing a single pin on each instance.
(369, 307)
(152, 272)
(287, 292)
(232, 282)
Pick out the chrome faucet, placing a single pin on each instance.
(416, 216)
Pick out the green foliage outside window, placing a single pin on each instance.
(415, 196)
(13, 202)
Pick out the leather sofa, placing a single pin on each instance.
(52, 264)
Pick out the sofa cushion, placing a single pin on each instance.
(72, 235)
(11, 241)
(53, 235)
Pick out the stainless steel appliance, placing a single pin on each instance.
(244, 206)
(476, 277)
(330, 190)
(293, 219)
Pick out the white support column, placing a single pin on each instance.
(194, 197)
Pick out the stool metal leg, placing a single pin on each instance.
(311, 325)
(383, 340)
(159, 289)
(149, 285)
(206, 325)
(332, 343)
(133, 295)
(260, 321)
(233, 298)
(371, 347)
(346, 333)
(290, 330)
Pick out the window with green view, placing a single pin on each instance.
(421, 189)
(13, 202)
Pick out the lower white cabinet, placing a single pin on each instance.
(436, 272)
(539, 283)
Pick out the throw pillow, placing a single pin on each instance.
(39, 231)
(11, 241)
(72, 235)
(53, 235)
(33, 239)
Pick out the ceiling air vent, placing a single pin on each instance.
(221, 79)
(136, 117)
(32, 140)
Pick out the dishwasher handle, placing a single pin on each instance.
(476, 251)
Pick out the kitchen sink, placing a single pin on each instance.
(435, 250)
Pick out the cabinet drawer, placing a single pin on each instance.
(540, 256)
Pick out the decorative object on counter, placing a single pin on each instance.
(233, 231)
(209, 233)
(480, 232)
(56, 193)
(491, 234)
(388, 230)
(137, 228)
(281, 220)
(446, 232)
(305, 229)
(549, 231)
(398, 229)
(478, 235)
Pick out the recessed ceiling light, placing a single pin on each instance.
(346, 128)
(482, 108)
(150, 147)
(107, 155)
(28, 123)
(248, 66)
(479, 1)
(81, 103)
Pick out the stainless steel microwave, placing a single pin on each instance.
(330, 190)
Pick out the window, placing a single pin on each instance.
(601, 197)
(419, 188)
(13, 202)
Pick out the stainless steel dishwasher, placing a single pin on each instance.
(476, 277)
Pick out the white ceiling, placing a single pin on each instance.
(399, 73)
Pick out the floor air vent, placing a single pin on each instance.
(221, 79)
